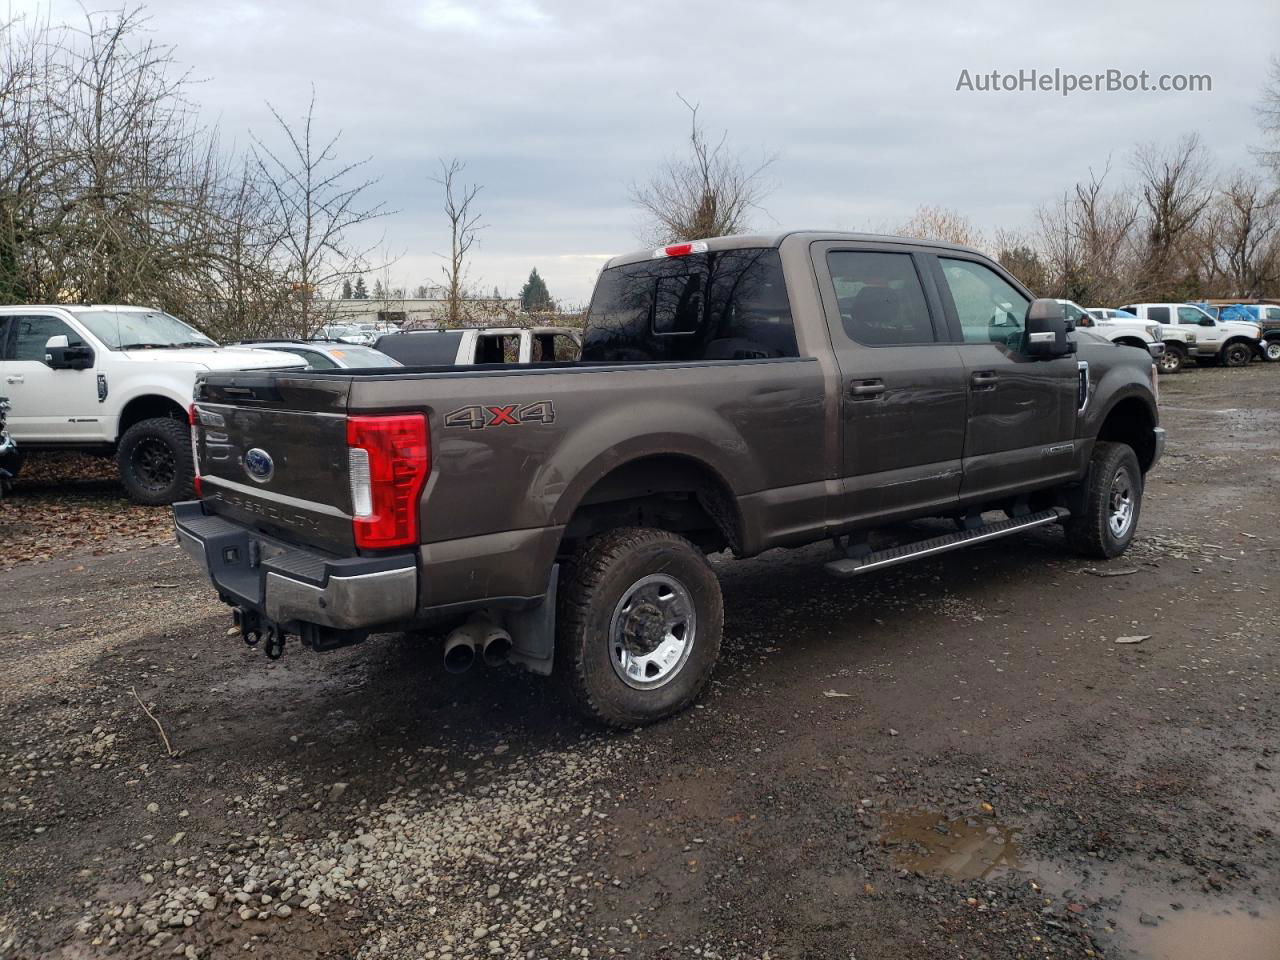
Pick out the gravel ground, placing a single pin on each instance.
(949, 759)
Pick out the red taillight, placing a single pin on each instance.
(193, 418)
(388, 461)
(681, 249)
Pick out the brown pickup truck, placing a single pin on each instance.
(738, 393)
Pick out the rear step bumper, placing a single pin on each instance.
(289, 585)
(852, 566)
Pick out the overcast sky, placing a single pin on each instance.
(557, 107)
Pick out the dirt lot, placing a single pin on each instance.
(952, 759)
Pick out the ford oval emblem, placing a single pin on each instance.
(259, 465)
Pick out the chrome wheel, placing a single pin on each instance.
(1170, 362)
(1122, 502)
(652, 631)
(1272, 351)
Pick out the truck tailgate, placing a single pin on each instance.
(271, 451)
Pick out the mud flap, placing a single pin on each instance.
(533, 631)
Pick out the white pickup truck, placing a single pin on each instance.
(1226, 342)
(481, 345)
(1120, 327)
(114, 379)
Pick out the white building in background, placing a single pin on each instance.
(411, 314)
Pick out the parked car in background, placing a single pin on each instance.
(363, 332)
(114, 380)
(1226, 342)
(466, 347)
(326, 354)
(1113, 324)
(1142, 336)
(739, 393)
(1266, 315)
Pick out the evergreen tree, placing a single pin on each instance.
(534, 296)
(361, 292)
(346, 289)
(379, 291)
(496, 294)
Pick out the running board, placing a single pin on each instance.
(852, 566)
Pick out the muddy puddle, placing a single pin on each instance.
(1203, 933)
(967, 848)
(1141, 923)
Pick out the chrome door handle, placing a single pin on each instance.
(866, 389)
(983, 380)
(17, 378)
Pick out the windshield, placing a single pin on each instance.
(140, 329)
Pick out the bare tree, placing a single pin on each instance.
(1016, 252)
(1175, 186)
(1087, 237)
(316, 201)
(464, 225)
(110, 190)
(942, 223)
(1239, 238)
(245, 294)
(106, 178)
(710, 192)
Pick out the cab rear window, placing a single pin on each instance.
(721, 305)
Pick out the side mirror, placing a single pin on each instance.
(1046, 331)
(59, 355)
(1207, 322)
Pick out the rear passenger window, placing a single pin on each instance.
(1158, 314)
(723, 305)
(880, 297)
(989, 308)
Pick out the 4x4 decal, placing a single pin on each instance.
(511, 415)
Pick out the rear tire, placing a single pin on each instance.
(1271, 352)
(1113, 503)
(1172, 359)
(154, 461)
(1237, 354)
(638, 627)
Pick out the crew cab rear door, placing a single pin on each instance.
(903, 397)
(1022, 411)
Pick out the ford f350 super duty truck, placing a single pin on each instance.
(737, 393)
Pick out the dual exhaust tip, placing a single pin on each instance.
(478, 637)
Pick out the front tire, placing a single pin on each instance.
(639, 626)
(1171, 360)
(155, 463)
(1271, 352)
(1113, 503)
(1237, 354)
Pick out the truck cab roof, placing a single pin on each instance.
(756, 240)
